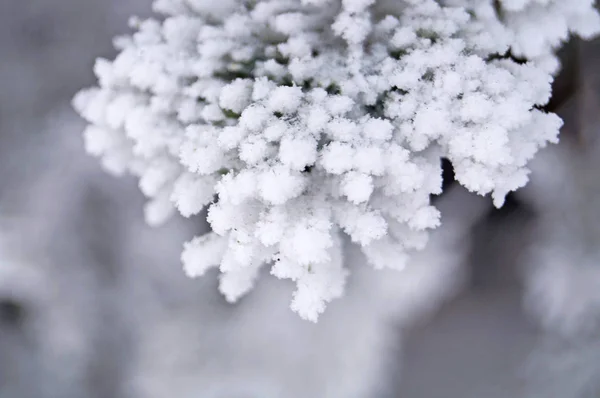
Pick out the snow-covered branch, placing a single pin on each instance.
(295, 121)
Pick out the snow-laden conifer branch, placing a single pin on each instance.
(297, 120)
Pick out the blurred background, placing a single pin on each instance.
(94, 304)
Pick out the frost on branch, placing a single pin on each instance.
(295, 121)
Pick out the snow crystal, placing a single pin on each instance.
(298, 121)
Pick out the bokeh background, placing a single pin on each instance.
(94, 304)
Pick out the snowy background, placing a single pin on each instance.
(94, 304)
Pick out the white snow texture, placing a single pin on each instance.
(295, 121)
